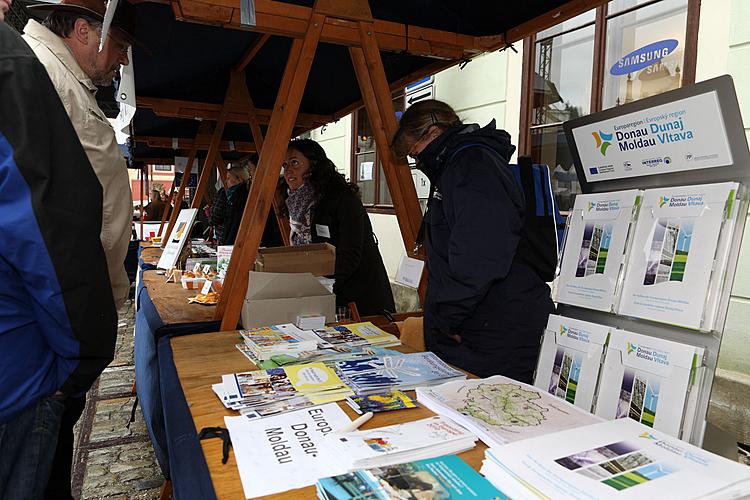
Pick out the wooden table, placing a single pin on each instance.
(171, 301)
(151, 255)
(201, 360)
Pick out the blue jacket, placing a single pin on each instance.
(58, 322)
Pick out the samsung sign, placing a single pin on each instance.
(643, 57)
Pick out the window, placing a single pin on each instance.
(163, 168)
(367, 171)
(593, 62)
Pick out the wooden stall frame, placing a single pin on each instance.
(165, 213)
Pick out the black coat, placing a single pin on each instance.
(484, 311)
(232, 217)
(360, 274)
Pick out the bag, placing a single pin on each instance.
(543, 226)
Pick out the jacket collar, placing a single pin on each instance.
(430, 159)
(55, 45)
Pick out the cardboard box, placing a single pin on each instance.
(277, 298)
(318, 259)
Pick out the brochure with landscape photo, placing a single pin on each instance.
(651, 381)
(675, 267)
(570, 359)
(595, 242)
(617, 459)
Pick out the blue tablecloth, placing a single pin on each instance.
(149, 329)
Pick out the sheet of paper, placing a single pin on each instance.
(409, 271)
(365, 171)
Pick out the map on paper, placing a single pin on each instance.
(501, 410)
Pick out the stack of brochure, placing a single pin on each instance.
(439, 478)
(267, 392)
(654, 381)
(356, 334)
(616, 459)
(394, 444)
(677, 263)
(404, 372)
(270, 341)
(376, 403)
(500, 410)
(570, 359)
(596, 239)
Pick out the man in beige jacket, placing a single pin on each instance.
(67, 44)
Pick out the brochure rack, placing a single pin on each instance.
(704, 143)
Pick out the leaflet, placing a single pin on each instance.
(617, 459)
(672, 262)
(570, 359)
(595, 246)
(649, 380)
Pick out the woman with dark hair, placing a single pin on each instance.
(486, 305)
(324, 208)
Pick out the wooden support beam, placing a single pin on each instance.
(211, 157)
(175, 108)
(166, 209)
(271, 156)
(204, 128)
(250, 53)
(202, 142)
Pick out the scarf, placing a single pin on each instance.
(231, 191)
(299, 203)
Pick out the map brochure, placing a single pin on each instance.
(287, 451)
(595, 244)
(650, 380)
(445, 478)
(177, 238)
(619, 459)
(376, 403)
(569, 361)
(356, 334)
(404, 372)
(501, 410)
(674, 269)
(416, 440)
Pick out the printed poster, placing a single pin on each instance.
(178, 237)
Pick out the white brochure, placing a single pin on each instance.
(570, 359)
(178, 237)
(672, 264)
(650, 380)
(620, 459)
(594, 248)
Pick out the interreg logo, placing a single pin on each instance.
(647, 435)
(602, 141)
(663, 200)
(632, 348)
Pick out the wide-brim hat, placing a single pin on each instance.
(123, 22)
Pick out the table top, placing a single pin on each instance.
(171, 301)
(150, 255)
(202, 359)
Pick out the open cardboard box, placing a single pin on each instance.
(318, 259)
(276, 298)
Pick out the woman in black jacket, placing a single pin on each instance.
(324, 208)
(486, 306)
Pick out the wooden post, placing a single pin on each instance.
(140, 171)
(211, 157)
(166, 209)
(271, 156)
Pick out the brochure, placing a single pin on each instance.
(223, 256)
(284, 452)
(446, 478)
(500, 410)
(265, 342)
(178, 237)
(376, 403)
(617, 459)
(595, 243)
(649, 380)
(570, 359)
(356, 334)
(672, 263)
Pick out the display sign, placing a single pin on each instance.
(687, 134)
(178, 237)
(421, 94)
(643, 57)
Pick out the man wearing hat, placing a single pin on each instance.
(58, 325)
(67, 43)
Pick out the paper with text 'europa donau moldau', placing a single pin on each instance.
(287, 451)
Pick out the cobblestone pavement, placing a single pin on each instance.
(112, 459)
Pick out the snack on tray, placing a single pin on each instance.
(209, 299)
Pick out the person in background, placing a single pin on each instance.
(58, 322)
(486, 307)
(323, 207)
(67, 45)
(4, 7)
(155, 208)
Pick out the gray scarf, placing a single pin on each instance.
(299, 203)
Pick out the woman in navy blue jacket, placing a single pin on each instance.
(486, 306)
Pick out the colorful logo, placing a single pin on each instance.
(647, 435)
(632, 348)
(602, 141)
(591, 205)
(379, 444)
(563, 330)
(663, 200)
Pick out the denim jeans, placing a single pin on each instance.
(27, 446)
